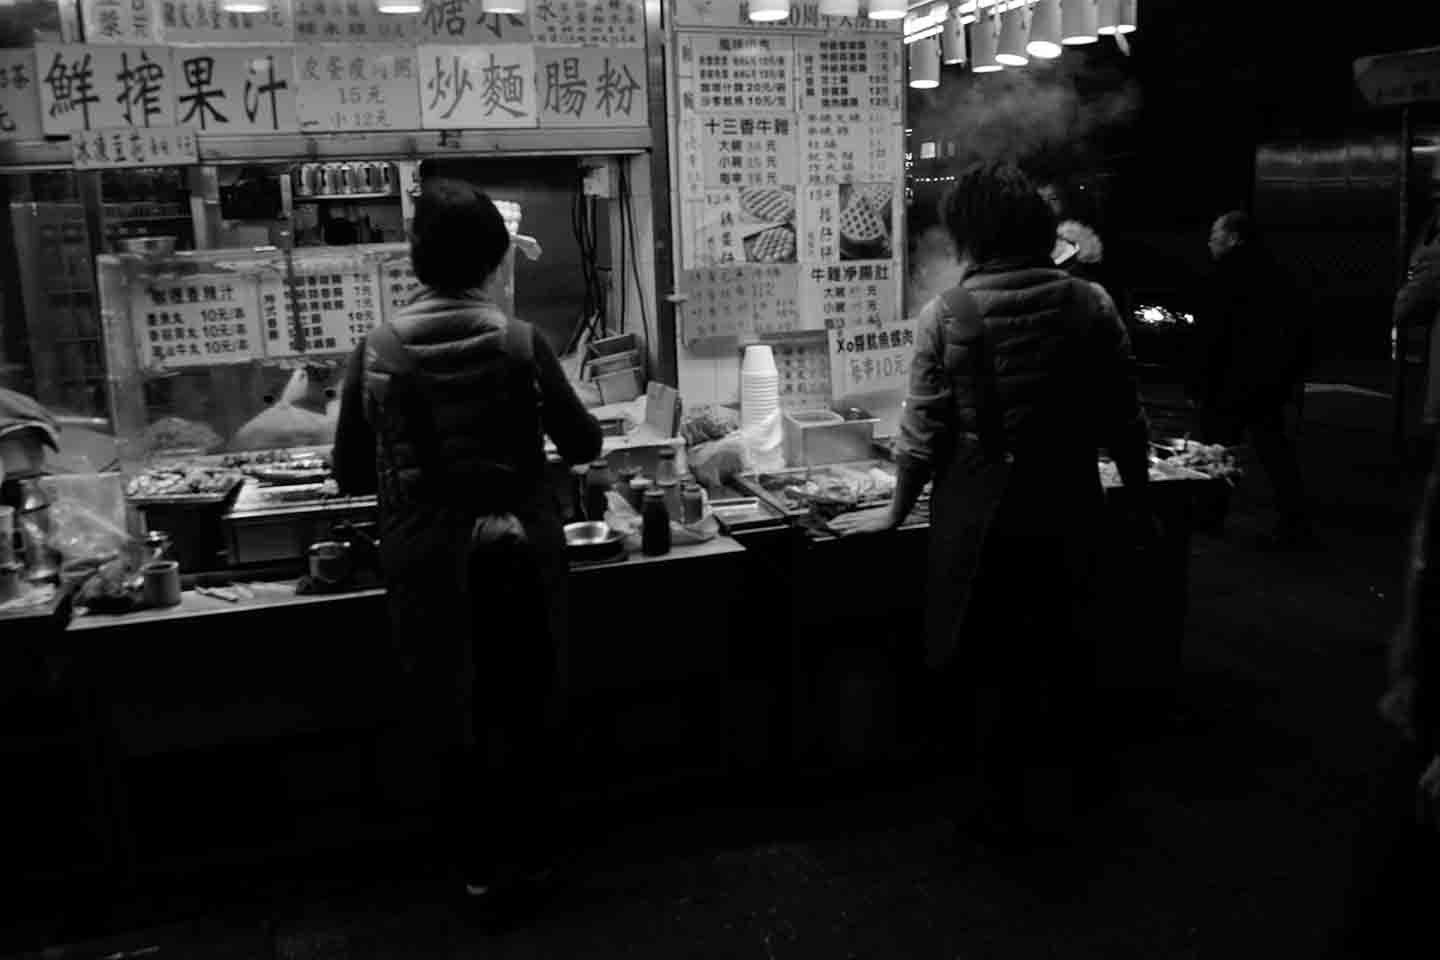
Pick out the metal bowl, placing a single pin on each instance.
(589, 542)
(586, 534)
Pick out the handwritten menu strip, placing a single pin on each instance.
(804, 16)
(597, 23)
(844, 146)
(740, 72)
(94, 87)
(197, 321)
(133, 147)
(19, 107)
(345, 89)
(804, 368)
(744, 150)
(205, 21)
(849, 296)
(581, 86)
(873, 360)
(819, 224)
(475, 87)
(849, 73)
(350, 21)
(462, 21)
(119, 21)
(745, 225)
(739, 301)
(336, 304)
(398, 284)
(235, 90)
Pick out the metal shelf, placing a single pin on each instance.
(345, 197)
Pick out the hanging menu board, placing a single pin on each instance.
(86, 87)
(345, 89)
(597, 23)
(19, 107)
(739, 301)
(199, 320)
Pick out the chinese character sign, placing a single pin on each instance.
(19, 98)
(336, 302)
(462, 21)
(350, 21)
(739, 301)
(476, 87)
(204, 21)
(229, 90)
(593, 23)
(119, 21)
(851, 73)
(133, 147)
(197, 321)
(746, 150)
(873, 359)
(85, 87)
(581, 86)
(804, 15)
(371, 88)
(845, 146)
(849, 295)
(738, 72)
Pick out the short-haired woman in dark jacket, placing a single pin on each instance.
(1021, 373)
(444, 412)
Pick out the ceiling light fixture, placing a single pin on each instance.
(887, 9)
(1045, 31)
(1079, 22)
(769, 11)
(1117, 17)
(251, 6)
(925, 64)
(514, 7)
(1011, 51)
(983, 42)
(952, 40)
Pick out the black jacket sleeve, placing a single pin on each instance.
(1125, 429)
(575, 432)
(353, 457)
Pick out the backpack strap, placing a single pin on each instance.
(407, 388)
(963, 311)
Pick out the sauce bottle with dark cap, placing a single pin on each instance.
(655, 534)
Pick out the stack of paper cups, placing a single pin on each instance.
(759, 386)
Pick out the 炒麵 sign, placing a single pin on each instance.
(205, 21)
(19, 106)
(345, 89)
(119, 21)
(462, 21)
(85, 87)
(478, 87)
(583, 86)
(197, 321)
(133, 147)
(235, 90)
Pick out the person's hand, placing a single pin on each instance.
(1427, 794)
(878, 520)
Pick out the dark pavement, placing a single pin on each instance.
(1225, 827)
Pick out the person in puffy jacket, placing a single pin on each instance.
(443, 413)
(1021, 373)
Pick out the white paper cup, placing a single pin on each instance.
(759, 358)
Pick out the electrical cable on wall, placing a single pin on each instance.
(627, 237)
(583, 223)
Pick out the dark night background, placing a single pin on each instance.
(1217, 106)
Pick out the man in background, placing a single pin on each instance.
(1253, 356)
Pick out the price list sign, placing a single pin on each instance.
(19, 107)
(596, 23)
(746, 150)
(202, 320)
(850, 296)
(590, 87)
(335, 306)
(133, 147)
(86, 87)
(804, 374)
(350, 21)
(820, 224)
(205, 21)
(740, 301)
(398, 284)
(462, 21)
(736, 72)
(233, 90)
(348, 90)
(478, 87)
(849, 74)
(872, 360)
(850, 146)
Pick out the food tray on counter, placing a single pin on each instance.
(141, 490)
(834, 488)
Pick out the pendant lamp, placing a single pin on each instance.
(1117, 16)
(983, 40)
(925, 64)
(398, 6)
(1045, 30)
(952, 40)
(502, 6)
(1011, 51)
(839, 8)
(1079, 22)
(253, 6)
(768, 11)
(887, 9)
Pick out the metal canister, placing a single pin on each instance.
(347, 178)
(384, 177)
(330, 179)
(366, 177)
(308, 182)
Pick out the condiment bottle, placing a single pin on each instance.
(625, 485)
(655, 534)
(597, 488)
(670, 490)
(638, 488)
(692, 504)
(666, 470)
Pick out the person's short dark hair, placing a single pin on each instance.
(995, 212)
(458, 238)
(1238, 224)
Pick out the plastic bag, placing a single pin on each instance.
(87, 519)
(625, 519)
(765, 444)
(718, 462)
